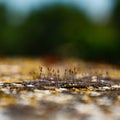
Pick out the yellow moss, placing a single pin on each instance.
(54, 92)
(5, 101)
(77, 90)
(33, 101)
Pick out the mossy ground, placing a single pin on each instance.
(36, 90)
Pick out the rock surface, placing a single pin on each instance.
(69, 90)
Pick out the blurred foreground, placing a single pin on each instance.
(30, 90)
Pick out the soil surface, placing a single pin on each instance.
(32, 89)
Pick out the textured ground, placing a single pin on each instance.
(67, 90)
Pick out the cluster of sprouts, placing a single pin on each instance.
(52, 73)
(69, 77)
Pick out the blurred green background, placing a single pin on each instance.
(63, 29)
